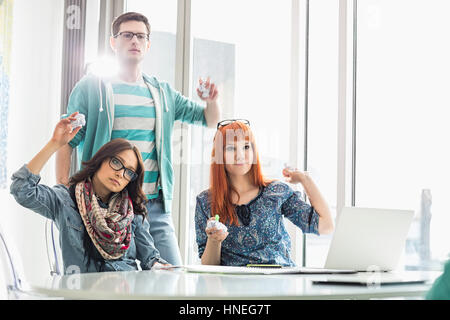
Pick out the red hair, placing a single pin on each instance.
(220, 187)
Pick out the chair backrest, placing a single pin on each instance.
(11, 266)
(53, 249)
(12, 279)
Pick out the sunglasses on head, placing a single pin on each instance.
(228, 121)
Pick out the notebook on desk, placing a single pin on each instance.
(265, 270)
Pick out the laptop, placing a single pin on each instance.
(369, 239)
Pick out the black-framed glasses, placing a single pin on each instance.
(228, 121)
(129, 35)
(117, 165)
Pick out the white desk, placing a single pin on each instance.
(187, 286)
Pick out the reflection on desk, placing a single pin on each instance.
(177, 284)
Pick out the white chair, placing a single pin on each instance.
(12, 272)
(11, 275)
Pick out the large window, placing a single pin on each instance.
(162, 16)
(395, 92)
(244, 46)
(402, 100)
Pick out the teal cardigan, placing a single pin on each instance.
(93, 97)
(441, 287)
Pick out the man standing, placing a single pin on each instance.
(141, 109)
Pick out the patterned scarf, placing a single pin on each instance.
(109, 229)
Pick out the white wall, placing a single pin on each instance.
(34, 110)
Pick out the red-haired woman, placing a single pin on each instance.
(251, 206)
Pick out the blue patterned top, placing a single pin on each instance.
(265, 239)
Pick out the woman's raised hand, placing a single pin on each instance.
(294, 175)
(63, 132)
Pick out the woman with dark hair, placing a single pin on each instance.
(251, 206)
(101, 215)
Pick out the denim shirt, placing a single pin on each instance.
(56, 204)
(265, 239)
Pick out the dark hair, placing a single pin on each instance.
(129, 16)
(110, 149)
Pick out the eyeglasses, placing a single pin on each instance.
(117, 165)
(129, 35)
(228, 121)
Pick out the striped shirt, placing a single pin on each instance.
(134, 120)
